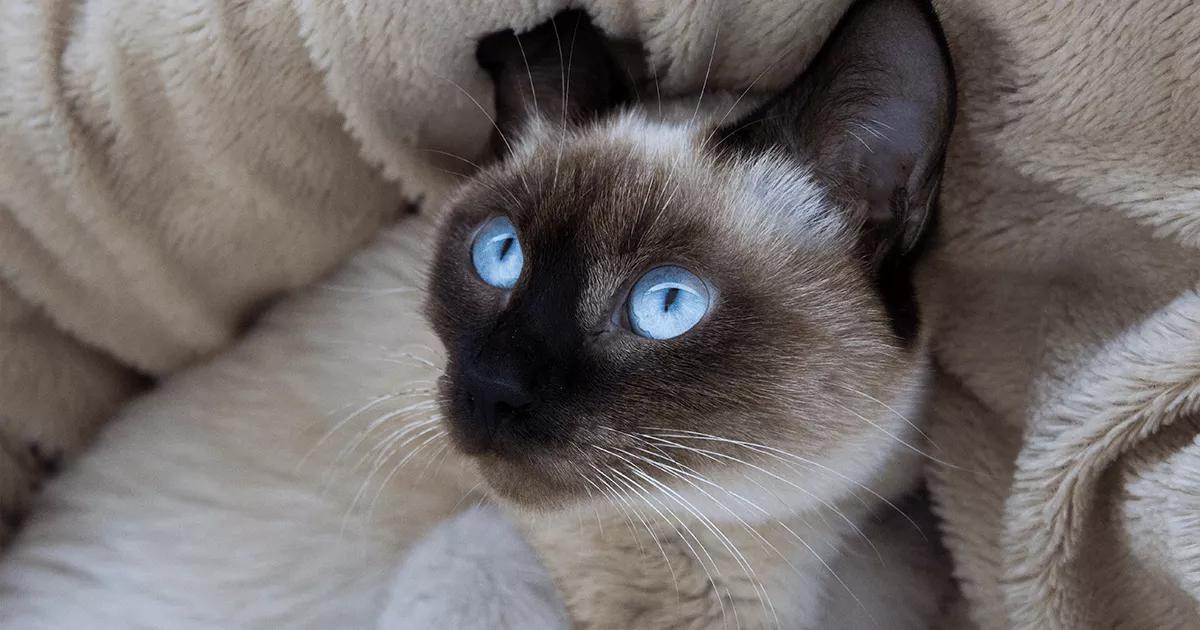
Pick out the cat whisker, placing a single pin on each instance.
(380, 346)
(353, 444)
(436, 433)
(697, 556)
(681, 475)
(391, 475)
(478, 179)
(684, 535)
(657, 89)
(718, 457)
(455, 156)
(414, 358)
(442, 459)
(621, 502)
(890, 410)
(367, 290)
(735, 131)
(379, 450)
(562, 84)
(738, 100)
(466, 494)
(692, 122)
(712, 53)
(387, 447)
(379, 359)
(725, 541)
(537, 112)
(783, 455)
(670, 461)
(749, 528)
(601, 495)
(437, 456)
(637, 490)
(529, 73)
(341, 423)
(490, 118)
(440, 434)
(897, 438)
(870, 130)
(566, 96)
(861, 141)
(463, 176)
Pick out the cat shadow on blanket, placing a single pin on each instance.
(678, 347)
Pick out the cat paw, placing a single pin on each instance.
(474, 571)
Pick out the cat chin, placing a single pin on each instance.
(539, 484)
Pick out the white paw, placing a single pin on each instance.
(474, 571)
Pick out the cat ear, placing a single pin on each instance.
(872, 115)
(563, 71)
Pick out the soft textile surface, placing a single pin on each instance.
(167, 167)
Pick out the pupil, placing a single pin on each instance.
(506, 246)
(669, 300)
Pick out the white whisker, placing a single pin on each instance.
(890, 410)
(781, 455)
(759, 536)
(737, 555)
(716, 456)
(895, 437)
(492, 120)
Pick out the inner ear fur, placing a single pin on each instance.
(872, 115)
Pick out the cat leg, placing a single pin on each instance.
(475, 571)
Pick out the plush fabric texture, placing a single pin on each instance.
(166, 170)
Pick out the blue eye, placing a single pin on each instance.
(667, 302)
(497, 255)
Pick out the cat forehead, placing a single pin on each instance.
(637, 157)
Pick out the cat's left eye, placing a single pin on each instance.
(496, 253)
(667, 302)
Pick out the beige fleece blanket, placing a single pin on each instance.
(166, 167)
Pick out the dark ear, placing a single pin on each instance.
(873, 115)
(562, 71)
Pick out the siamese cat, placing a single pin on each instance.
(705, 328)
(681, 351)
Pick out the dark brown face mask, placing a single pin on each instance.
(614, 277)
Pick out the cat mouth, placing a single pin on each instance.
(518, 468)
(542, 482)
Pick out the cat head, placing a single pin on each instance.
(626, 299)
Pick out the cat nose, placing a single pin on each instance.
(494, 398)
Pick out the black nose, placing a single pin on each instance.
(494, 397)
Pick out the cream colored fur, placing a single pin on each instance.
(247, 492)
(145, 153)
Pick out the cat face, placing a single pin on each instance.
(640, 300)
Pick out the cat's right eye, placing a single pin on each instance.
(496, 254)
(667, 302)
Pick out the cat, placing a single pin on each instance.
(709, 325)
(684, 356)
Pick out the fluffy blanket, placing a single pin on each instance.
(167, 167)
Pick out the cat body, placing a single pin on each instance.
(725, 476)
(230, 497)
